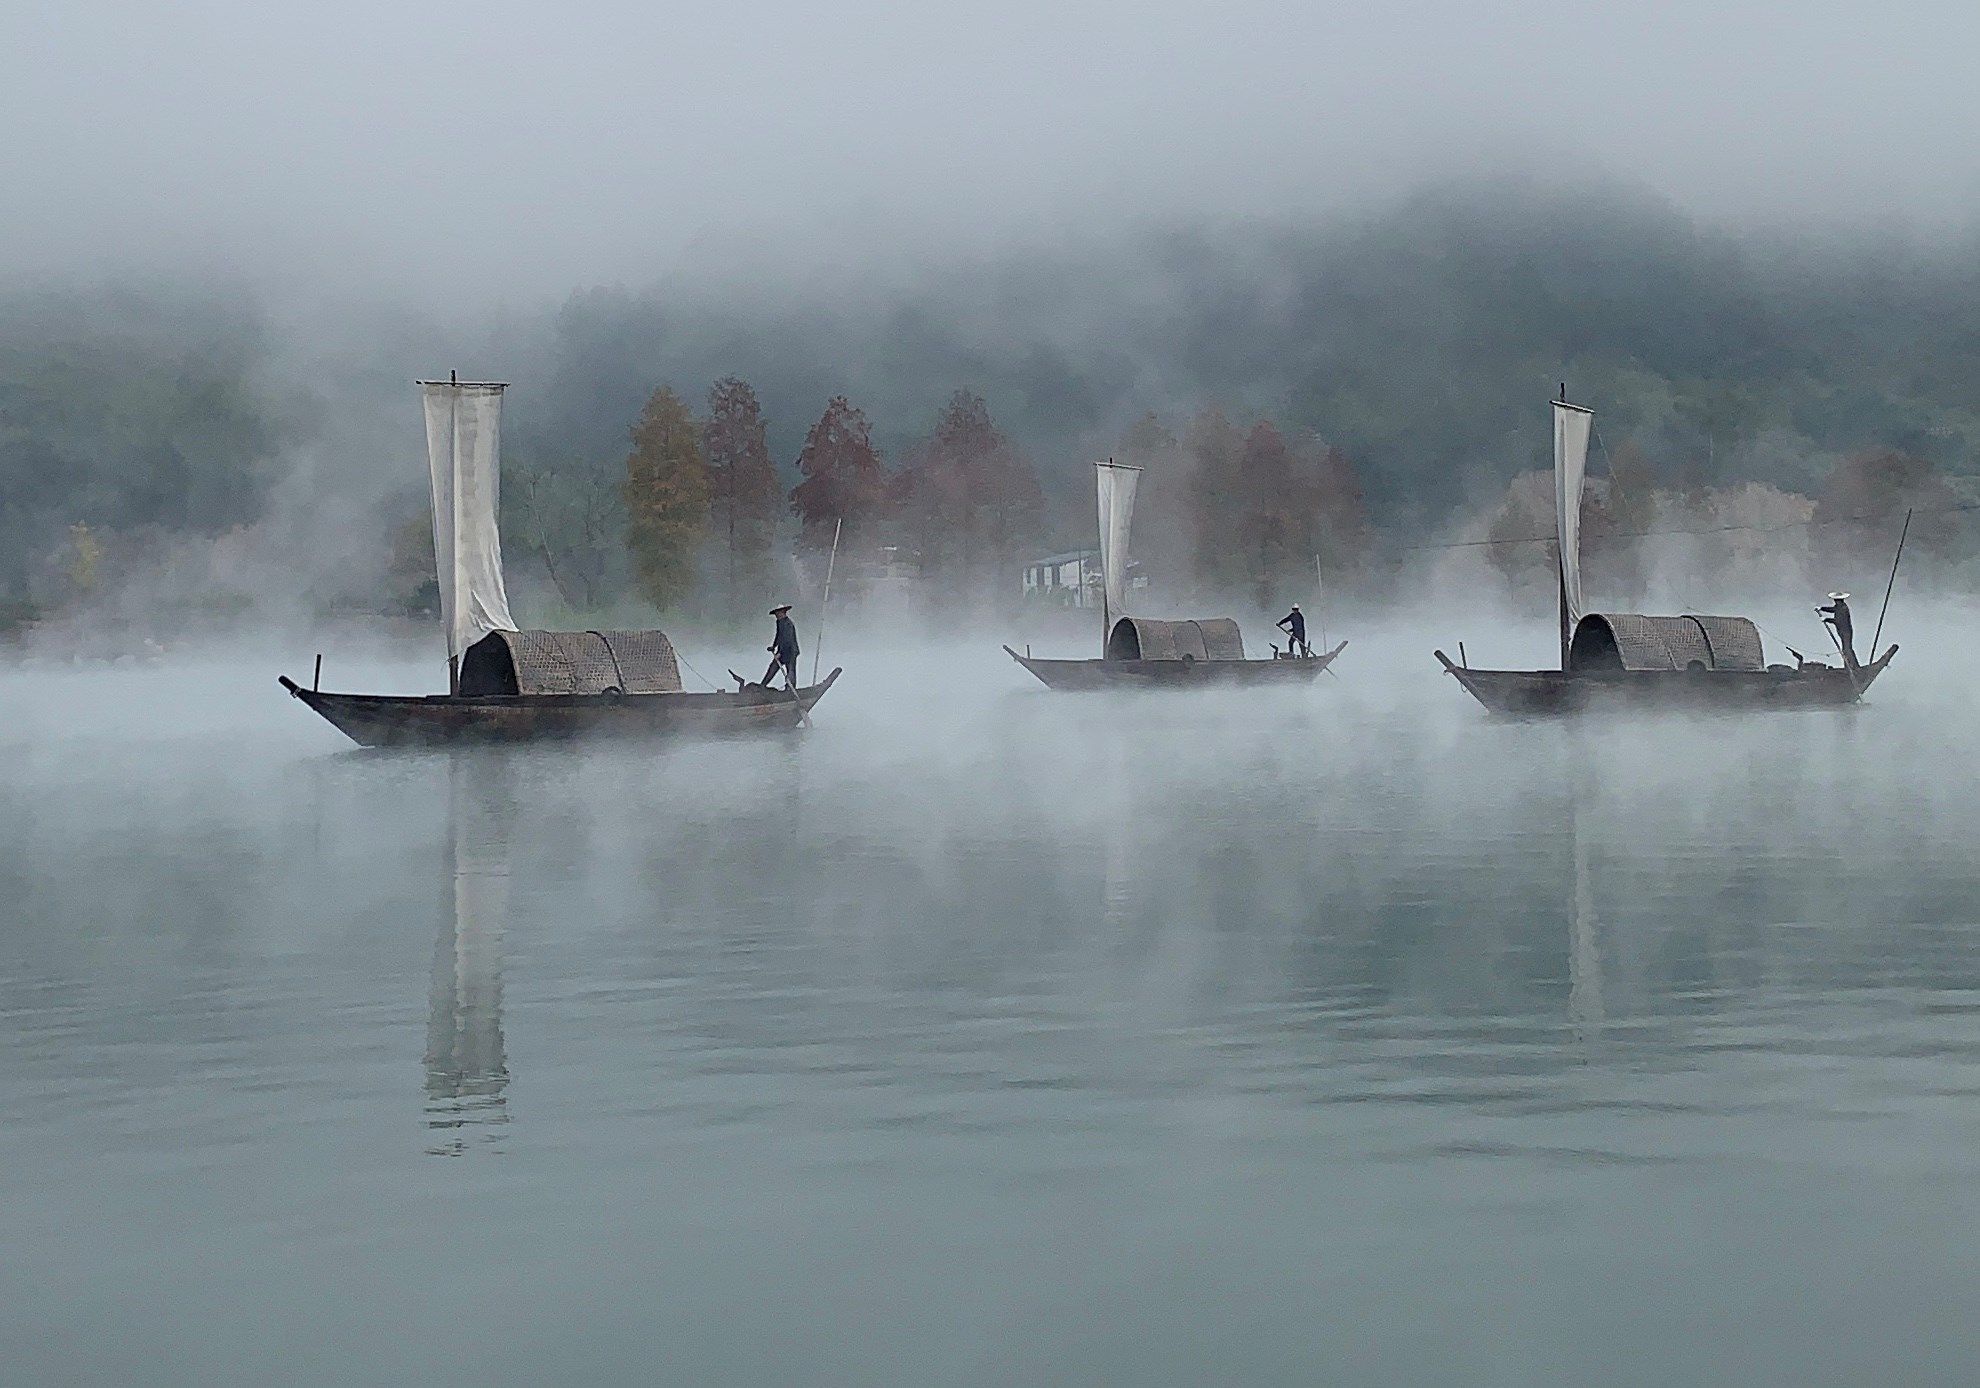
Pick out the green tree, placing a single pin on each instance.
(1615, 539)
(743, 491)
(85, 558)
(409, 586)
(666, 498)
(567, 516)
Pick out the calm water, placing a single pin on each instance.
(985, 1035)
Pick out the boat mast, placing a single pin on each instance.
(1115, 485)
(454, 452)
(1572, 424)
(466, 478)
(1106, 612)
(1560, 556)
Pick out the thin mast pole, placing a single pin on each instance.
(1320, 597)
(830, 564)
(454, 523)
(1892, 584)
(1106, 611)
(1560, 531)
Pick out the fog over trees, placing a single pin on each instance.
(1359, 387)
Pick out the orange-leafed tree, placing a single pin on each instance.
(843, 479)
(1861, 509)
(970, 501)
(1212, 447)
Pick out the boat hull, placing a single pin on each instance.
(1172, 674)
(1543, 693)
(387, 720)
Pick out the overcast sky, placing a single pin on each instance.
(542, 147)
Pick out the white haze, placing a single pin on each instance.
(523, 149)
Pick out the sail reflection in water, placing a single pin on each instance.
(467, 1074)
(1585, 1009)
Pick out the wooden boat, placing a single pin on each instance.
(1149, 654)
(1627, 660)
(507, 685)
(1651, 677)
(386, 720)
(1144, 653)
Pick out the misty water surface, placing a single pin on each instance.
(984, 1035)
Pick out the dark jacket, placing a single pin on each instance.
(1837, 616)
(784, 643)
(1295, 622)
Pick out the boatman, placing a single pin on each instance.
(1836, 615)
(1293, 624)
(783, 648)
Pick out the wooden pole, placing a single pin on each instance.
(1320, 598)
(1106, 613)
(316, 685)
(1892, 584)
(830, 564)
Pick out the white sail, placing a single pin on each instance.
(1571, 426)
(464, 454)
(1117, 483)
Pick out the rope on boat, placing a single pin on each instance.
(696, 673)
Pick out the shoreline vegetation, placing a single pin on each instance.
(1351, 403)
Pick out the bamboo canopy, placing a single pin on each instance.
(1143, 638)
(1632, 641)
(571, 662)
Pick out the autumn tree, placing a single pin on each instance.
(970, 502)
(742, 482)
(1162, 538)
(1271, 514)
(1212, 447)
(1861, 509)
(843, 479)
(666, 497)
(1336, 532)
(1263, 508)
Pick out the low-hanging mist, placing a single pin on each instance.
(180, 454)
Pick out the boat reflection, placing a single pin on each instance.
(1585, 1007)
(467, 1073)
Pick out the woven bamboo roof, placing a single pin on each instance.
(1633, 641)
(1142, 638)
(571, 662)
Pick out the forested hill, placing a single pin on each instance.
(1420, 339)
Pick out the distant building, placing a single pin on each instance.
(1071, 579)
(897, 566)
